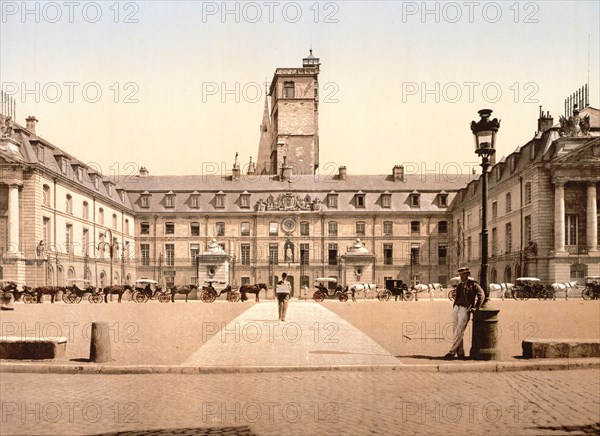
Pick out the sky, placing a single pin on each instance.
(178, 86)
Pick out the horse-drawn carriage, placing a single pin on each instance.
(73, 294)
(26, 294)
(335, 291)
(592, 288)
(210, 294)
(531, 287)
(395, 288)
(146, 289)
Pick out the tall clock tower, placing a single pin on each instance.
(294, 120)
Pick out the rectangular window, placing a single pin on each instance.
(194, 229)
(388, 254)
(68, 238)
(145, 201)
(304, 254)
(169, 200)
(527, 229)
(274, 254)
(388, 228)
(220, 229)
(144, 228)
(304, 228)
(494, 210)
(220, 201)
(508, 202)
(46, 225)
(170, 254)
(245, 281)
(169, 228)
(571, 226)
(332, 228)
(443, 227)
(415, 227)
(414, 254)
(494, 241)
(195, 201)
(245, 253)
(443, 200)
(360, 228)
(469, 249)
(85, 240)
(442, 254)
(194, 251)
(332, 252)
(289, 90)
(273, 228)
(360, 201)
(508, 240)
(415, 200)
(527, 199)
(245, 229)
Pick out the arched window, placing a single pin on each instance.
(494, 276)
(101, 216)
(46, 195)
(85, 210)
(69, 206)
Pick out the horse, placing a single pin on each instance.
(40, 291)
(360, 287)
(12, 288)
(252, 289)
(182, 290)
(564, 287)
(120, 290)
(502, 287)
(431, 287)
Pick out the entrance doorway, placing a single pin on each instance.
(290, 280)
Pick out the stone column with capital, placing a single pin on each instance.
(559, 216)
(592, 219)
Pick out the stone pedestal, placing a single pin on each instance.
(485, 335)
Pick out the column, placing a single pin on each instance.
(559, 216)
(13, 220)
(592, 218)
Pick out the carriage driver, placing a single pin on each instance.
(469, 296)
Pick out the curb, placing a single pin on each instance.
(530, 365)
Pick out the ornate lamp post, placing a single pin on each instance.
(113, 246)
(485, 320)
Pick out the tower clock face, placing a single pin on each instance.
(288, 225)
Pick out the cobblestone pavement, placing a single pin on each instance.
(304, 403)
(312, 336)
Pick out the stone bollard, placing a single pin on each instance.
(7, 301)
(100, 343)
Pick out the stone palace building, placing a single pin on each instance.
(61, 219)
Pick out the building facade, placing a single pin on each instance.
(61, 219)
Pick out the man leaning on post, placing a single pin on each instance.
(469, 297)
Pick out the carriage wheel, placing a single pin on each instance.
(139, 297)
(78, 299)
(208, 296)
(410, 295)
(65, 297)
(95, 298)
(28, 299)
(383, 295)
(163, 297)
(318, 296)
(452, 294)
(233, 297)
(521, 294)
(343, 297)
(587, 294)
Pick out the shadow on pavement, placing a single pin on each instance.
(206, 431)
(417, 356)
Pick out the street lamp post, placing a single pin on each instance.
(484, 345)
(112, 247)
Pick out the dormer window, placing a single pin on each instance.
(245, 200)
(96, 181)
(80, 174)
(40, 153)
(512, 163)
(386, 200)
(195, 200)
(145, 199)
(122, 195)
(170, 199)
(443, 199)
(415, 199)
(63, 165)
(332, 199)
(359, 200)
(109, 188)
(220, 200)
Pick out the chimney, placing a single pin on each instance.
(286, 170)
(31, 124)
(544, 121)
(342, 173)
(143, 171)
(251, 168)
(235, 172)
(398, 172)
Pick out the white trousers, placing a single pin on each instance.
(460, 319)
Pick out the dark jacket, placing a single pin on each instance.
(469, 293)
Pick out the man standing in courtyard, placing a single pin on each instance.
(282, 291)
(469, 296)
